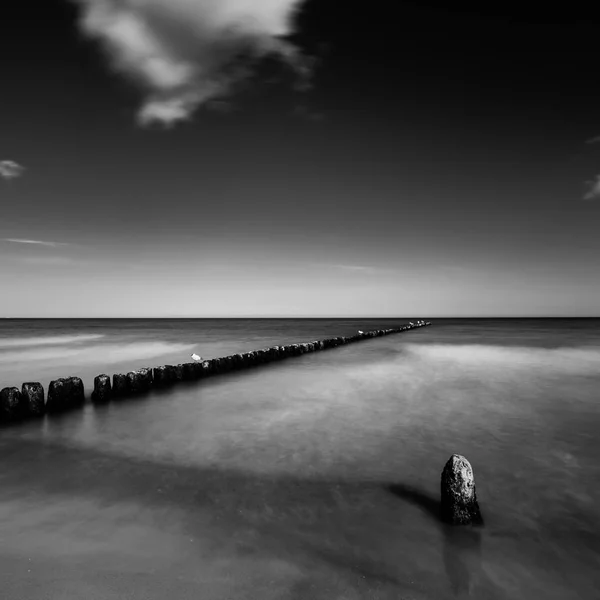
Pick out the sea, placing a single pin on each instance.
(316, 477)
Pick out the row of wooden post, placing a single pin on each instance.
(68, 393)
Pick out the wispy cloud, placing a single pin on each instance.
(593, 189)
(185, 53)
(35, 242)
(594, 140)
(359, 268)
(47, 261)
(9, 169)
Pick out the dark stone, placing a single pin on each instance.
(459, 501)
(102, 389)
(140, 381)
(32, 397)
(120, 385)
(178, 373)
(161, 376)
(208, 367)
(189, 371)
(11, 405)
(147, 378)
(64, 394)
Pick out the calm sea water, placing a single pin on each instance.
(316, 477)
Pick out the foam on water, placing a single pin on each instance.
(93, 354)
(55, 340)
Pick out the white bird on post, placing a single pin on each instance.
(196, 357)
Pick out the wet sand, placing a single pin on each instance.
(89, 524)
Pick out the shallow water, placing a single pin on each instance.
(315, 477)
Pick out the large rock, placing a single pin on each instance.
(459, 501)
(11, 406)
(64, 394)
(102, 389)
(32, 398)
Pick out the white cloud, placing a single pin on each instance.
(10, 169)
(36, 242)
(184, 53)
(593, 192)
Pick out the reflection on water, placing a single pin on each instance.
(319, 477)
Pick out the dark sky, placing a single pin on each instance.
(436, 166)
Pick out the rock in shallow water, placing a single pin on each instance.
(459, 501)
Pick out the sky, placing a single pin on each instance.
(272, 158)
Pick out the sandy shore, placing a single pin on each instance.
(85, 524)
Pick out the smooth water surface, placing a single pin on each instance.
(315, 477)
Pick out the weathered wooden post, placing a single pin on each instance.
(11, 406)
(32, 397)
(102, 389)
(120, 385)
(64, 394)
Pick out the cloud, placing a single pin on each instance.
(10, 169)
(47, 261)
(593, 192)
(593, 140)
(359, 268)
(37, 242)
(185, 53)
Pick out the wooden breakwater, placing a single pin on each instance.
(65, 394)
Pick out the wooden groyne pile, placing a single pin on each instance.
(68, 393)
